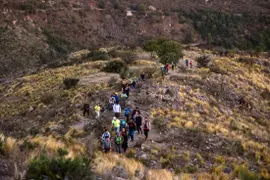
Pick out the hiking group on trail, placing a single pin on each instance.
(122, 130)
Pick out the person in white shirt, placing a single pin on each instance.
(117, 109)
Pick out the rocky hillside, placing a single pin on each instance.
(39, 33)
(209, 122)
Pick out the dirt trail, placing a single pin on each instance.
(99, 77)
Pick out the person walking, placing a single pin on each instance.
(111, 103)
(116, 97)
(190, 64)
(131, 129)
(127, 111)
(172, 66)
(186, 62)
(117, 109)
(142, 76)
(125, 139)
(123, 124)
(116, 125)
(118, 143)
(138, 121)
(134, 113)
(86, 109)
(126, 90)
(97, 110)
(167, 68)
(146, 127)
(105, 134)
(107, 144)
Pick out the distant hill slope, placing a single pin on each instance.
(34, 33)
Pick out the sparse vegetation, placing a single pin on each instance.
(98, 55)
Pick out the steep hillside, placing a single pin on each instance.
(48, 30)
(209, 122)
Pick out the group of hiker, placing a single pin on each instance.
(165, 69)
(122, 129)
(188, 63)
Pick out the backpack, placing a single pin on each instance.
(123, 124)
(145, 127)
(107, 144)
(127, 111)
(118, 140)
(131, 126)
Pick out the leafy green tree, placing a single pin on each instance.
(170, 47)
(169, 58)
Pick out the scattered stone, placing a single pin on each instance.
(139, 174)
(119, 171)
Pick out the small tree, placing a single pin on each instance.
(170, 47)
(115, 66)
(203, 60)
(169, 58)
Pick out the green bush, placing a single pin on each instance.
(47, 98)
(170, 47)
(160, 123)
(169, 58)
(163, 47)
(128, 57)
(98, 55)
(58, 167)
(245, 174)
(203, 60)
(115, 66)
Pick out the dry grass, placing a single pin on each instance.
(104, 163)
(52, 144)
(159, 174)
(9, 144)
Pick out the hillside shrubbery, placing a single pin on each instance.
(58, 167)
(226, 30)
(168, 50)
(98, 55)
(115, 66)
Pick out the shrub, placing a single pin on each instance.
(70, 82)
(114, 53)
(170, 47)
(98, 55)
(245, 174)
(47, 98)
(169, 58)
(160, 123)
(164, 46)
(112, 81)
(6, 145)
(115, 66)
(128, 57)
(58, 167)
(203, 60)
(101, 4)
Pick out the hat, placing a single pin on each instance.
(115, 93)
(114, 117)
